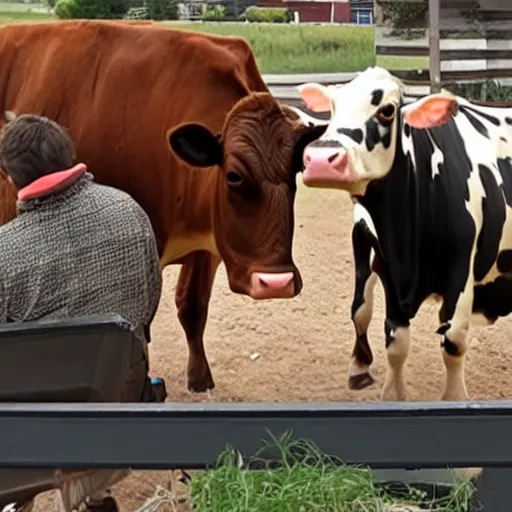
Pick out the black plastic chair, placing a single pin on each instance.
(82, 359)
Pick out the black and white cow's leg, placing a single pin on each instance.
(359, 376)
(455, 316)
(398, 339)
(398, 344)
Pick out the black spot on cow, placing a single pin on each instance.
(504, 262)
(362, 351)
(476, 123)
(372, 134)
(494, 299)
(407, 130)
(491, 119)
(503, 139)
(390, 327)
(386, 140)
(355, 134)
(494, 215)
(450, 347)
(377, 97)
(443, 328)
(508, 120)
(505, 169)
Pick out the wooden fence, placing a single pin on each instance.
(475, 42)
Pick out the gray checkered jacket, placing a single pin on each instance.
(89, 249)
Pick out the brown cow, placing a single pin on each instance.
(126, 92)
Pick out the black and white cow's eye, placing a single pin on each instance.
(385, 114)
(233, 179)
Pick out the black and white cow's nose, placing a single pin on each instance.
(331, 158)
(325, 165)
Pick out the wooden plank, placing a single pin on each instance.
(421, 51)
(434, 42)
(484, 15)
(484, 74)
(476, 33)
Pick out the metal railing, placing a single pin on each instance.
(191, 436)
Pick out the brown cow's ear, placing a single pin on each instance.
(306, 136)
(196, 145)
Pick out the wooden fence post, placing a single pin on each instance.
(434, 45)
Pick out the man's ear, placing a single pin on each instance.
(196, 145)
(430, 111)
(306, 136)
(9, 116)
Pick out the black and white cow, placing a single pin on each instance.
(431, 183)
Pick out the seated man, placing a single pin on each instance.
(76, 247)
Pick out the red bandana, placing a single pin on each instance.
(52, 183)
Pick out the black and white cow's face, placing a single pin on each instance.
(359, 145)
(360, 141)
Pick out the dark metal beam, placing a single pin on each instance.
(160, 436)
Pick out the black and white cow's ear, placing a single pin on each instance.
(315, 96)
(431, 111)
(196, 145)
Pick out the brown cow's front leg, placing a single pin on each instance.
(192, 298)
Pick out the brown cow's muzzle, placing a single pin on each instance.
(272, 286)
(268, 285)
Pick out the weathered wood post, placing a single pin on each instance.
(434, 45)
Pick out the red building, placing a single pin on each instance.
(320, 11)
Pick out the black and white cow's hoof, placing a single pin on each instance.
(360, 381)
(108, 504)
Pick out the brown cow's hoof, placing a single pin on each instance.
(360, 381)
(201, 385)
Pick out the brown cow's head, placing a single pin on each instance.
(256, 158)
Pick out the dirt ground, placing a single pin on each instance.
(305, 343)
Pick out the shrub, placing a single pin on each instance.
(51, 3)
(118, 8)
(91, 9)
(162, 9)
(137, 13)
(404, 14)
(214, 13)
(267, 14)
(66, 9)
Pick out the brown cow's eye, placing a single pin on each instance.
(233, 178)
(385, 114)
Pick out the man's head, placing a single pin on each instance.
(33, 146)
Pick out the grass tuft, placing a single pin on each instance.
(306, 480)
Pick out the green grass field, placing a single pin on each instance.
(278, 48)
